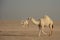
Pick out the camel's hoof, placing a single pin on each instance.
(49, 34)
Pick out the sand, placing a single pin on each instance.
(13, 30)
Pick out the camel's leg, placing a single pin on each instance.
(25, 25)
(22, 23)
(43, 30)
(39, 32)
(51, 29)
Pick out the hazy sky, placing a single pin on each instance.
(21, 9)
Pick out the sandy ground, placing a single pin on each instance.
(13, 30)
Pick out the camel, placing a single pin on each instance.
(44, 21)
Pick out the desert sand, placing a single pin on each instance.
(13, 30)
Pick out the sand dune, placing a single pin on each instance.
(13, 30)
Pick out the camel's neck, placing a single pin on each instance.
(35, 22)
